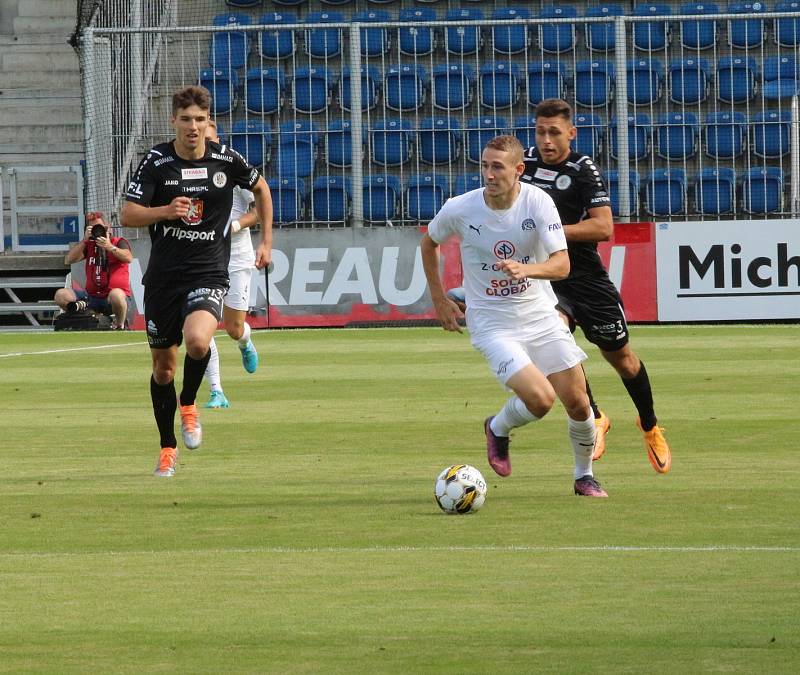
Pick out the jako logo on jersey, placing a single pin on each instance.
(171, 182)
(220, 179)
(191, 235)
(528, 224)
(195, 214)
(504, 249)
(194, 174)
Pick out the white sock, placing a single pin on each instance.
(245, 336)
(581, 435)
(212, 370)
(512, 415)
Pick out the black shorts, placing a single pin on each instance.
(165, 310)
(594, 304)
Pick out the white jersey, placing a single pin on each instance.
(242, 254)
(528, 232)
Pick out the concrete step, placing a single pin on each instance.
(46, 8)
(45, 80)
(48, 25)
(41, 96)
(27, 112)
(40, 61)
(44, 156)
(49, 136)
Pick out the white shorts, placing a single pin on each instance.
(238, 296)
(551, 348)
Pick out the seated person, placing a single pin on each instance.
(108, 288)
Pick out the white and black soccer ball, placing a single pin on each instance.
(460, 489)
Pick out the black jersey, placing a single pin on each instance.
(195, 248)
(576, 185)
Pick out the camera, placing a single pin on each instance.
(98, 230)
(77, 306)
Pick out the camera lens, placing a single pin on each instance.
(98, 230)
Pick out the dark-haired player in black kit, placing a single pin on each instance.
(183, 191)
(587, 297)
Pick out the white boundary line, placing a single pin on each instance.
(289, 550)
(72, 349)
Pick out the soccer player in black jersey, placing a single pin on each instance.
(587, 297)
(183, 191)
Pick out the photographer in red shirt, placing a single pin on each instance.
(108, 288)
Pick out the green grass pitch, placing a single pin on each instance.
(303, 537)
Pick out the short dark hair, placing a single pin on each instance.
(507, 143)
(191, 95)
(554, 107)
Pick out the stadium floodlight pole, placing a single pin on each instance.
(356, 125)
(794, 146)
(621, 102)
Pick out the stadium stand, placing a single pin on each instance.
(546, 79)
(417, 40)
(296, 150)
(223, 86)
(749, 32)
(665, 192)
(338, 144)
(370, 78)
(589, 134)
(229, 50)
(651, 36)
(645, 81)
(688, 80)
(479, 131)
(676, 135)
(405, 86)
(736, 79)
(601, 36)
(452, 86)
(381, 198)
(787, 30)
(330, 198)
(557, 38)
(715, 190)
(425, 195)
(465, 182)
(462, 40)
(288, 197)
(594, 81)
(725, 134)
(323, 42)
(781, 77)
(612, 179)
(374, 41)
(762, 190)
(498, 84)
(699, 33)
(770, 132)
(311, 89)
(264, 90)
(251, 138)
(511, 39)
(391, 142)
(639, 129)
(277, 43)
(438, 140)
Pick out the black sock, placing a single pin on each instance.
(592, 403)
(193, 370)
(164, 405)
(642, 395)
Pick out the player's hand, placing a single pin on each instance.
(513, 269)
(448, 314)
(178, 208)
(264, 257)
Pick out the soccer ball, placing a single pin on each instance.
(460, 489)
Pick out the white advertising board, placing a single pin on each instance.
(728, 270)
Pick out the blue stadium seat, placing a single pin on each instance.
(638, 126)
(331, 2)
(787, 31)
(253, 140)
(479, 131)
(425, 195)
(715, 190)
(223, 85)
(404, 87)
(511, 39)
(590, 130)
(452, 86)
(736, 79)
(499, 84)
(724, 134)
(323, 42)
(243, 4)
(391, 141)
(417, 40)
(546, 79)
(771, 130)
(229, 49)
(699, 33)
(264, 90)
(652, 35)
(525, 130)
(381, 198)
(689, 80)
(338, 143)
(665, 192)
(276, 43)
(594, 82)
(288, 198)
(296, 150)
(289, 3)
(676, 135)
(370, 86)
(762, 190)
(463, 39)
(438, 140)
(612, 179)
(645, 81)
(749, 32)
(311, 89)
(374, 41)
(601, 36)
(781, 77)
(557, 38)
(466, 182)
(330, 199)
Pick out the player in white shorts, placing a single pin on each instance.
(237, 299)
(512, 245)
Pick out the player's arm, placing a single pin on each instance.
(554, 268)
(599, 226)
(247, 219)
(263, 214)
(446, 310)
(137, 215)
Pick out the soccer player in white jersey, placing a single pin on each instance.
(512, 245)
(237, 299)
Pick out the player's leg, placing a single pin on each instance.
(217, 399)
(198, 329)
(634, 376)
(237, 301)
(162, 394)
